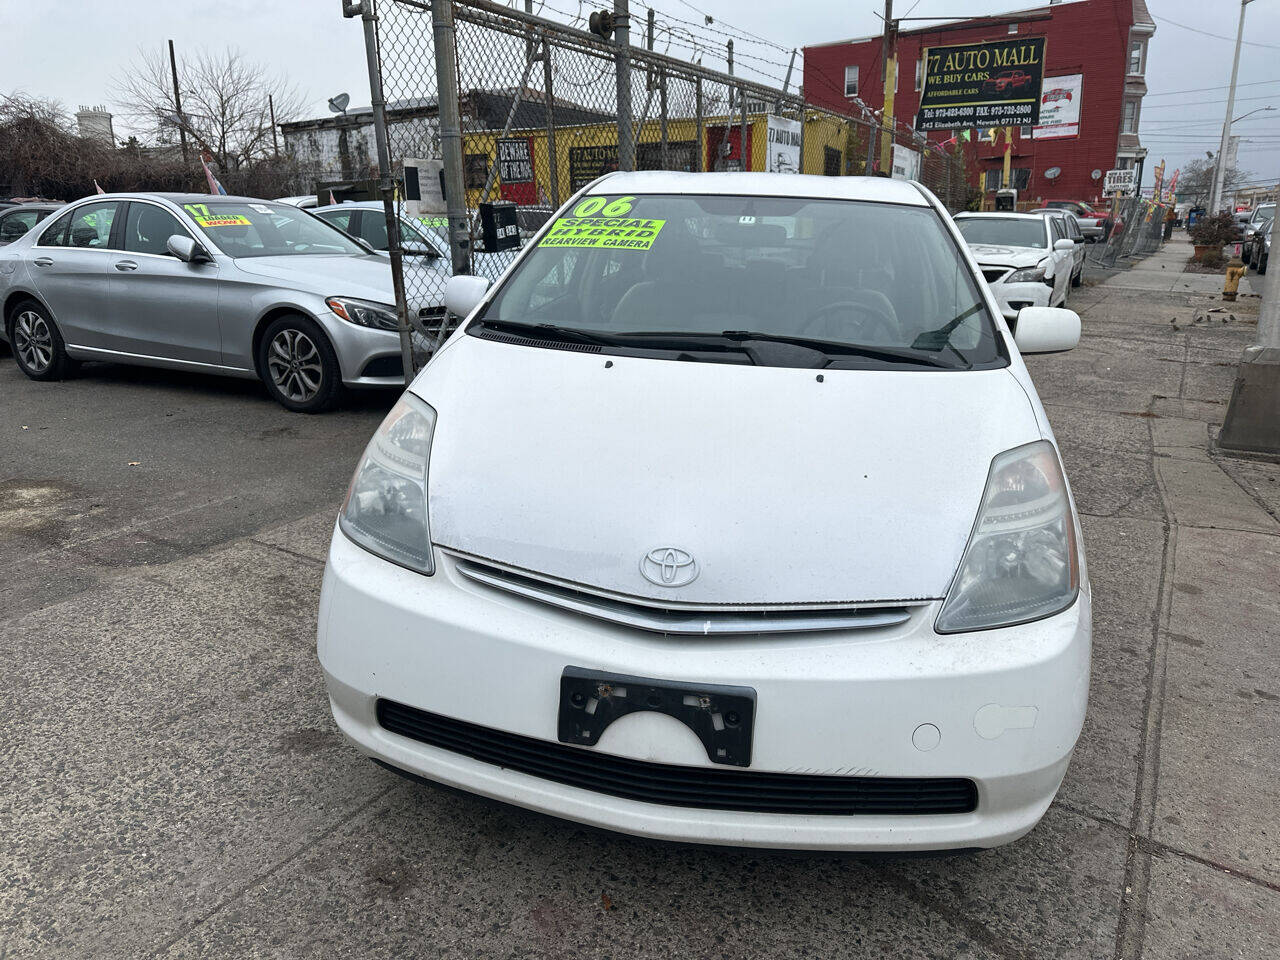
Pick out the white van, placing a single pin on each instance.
(730, 515)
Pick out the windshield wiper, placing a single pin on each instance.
(841, 348)
(940, 339)
(548, 331)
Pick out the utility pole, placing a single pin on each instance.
(889, 59)
(275, 144)
(177, 102)
(364, 10)
(1251, 424)
(1220, 168)
(622, 37)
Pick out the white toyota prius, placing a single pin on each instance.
(730, 515)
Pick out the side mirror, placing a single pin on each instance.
(464, 292)
(1065, 243)
(186, 249)
(1046, 330)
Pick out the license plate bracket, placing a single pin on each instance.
(720, 715)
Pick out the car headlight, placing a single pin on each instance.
(386, 507)
(380, 316)
(1021, 561)
(1027, 274)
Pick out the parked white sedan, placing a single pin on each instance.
(1023, 262)
(730, 516)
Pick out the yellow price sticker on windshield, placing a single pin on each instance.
(230, 220)
(618, 233)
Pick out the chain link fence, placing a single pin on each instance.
(543, 109)
(1135, 230)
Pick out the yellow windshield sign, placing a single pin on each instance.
(621, 233)
(230, 220)
(603, 222)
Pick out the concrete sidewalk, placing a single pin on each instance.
(1164, 271)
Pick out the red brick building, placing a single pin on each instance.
(1095, 59)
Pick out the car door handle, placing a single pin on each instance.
(42, 262)
(126, 265)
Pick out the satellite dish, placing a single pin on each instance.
(1097, 174)
(339, 103)
(1053, 173)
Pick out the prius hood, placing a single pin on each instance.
(781, 489)
(366, 277)
(992, 255)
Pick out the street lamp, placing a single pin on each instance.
(1219, 172)
(1251, 113)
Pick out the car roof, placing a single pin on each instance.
(176, 197)
(350, 205)
(879, 189)
(35, 205)
(996, 215)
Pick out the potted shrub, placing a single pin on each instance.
(1210, 234)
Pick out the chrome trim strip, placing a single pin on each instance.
(681, 623)
(78, 351)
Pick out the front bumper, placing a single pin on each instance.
(1007, 704)
(1012, 297)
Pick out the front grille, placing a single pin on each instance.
(995, 274)
(689, 621)
(704, 788)
(383, 367)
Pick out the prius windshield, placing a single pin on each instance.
(251, 229)
(773, 281)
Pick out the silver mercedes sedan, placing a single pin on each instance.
(212, 284)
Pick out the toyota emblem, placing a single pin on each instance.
(669, 567)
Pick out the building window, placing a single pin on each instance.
(1019, 177)
(1130, 116)
(850, 81)
(1013, 28)
(919, 73)
(1137, 51)
(1024, 131)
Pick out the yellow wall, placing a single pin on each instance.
(819, 131)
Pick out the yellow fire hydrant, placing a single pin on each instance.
(1235, 270)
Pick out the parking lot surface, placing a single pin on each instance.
(175, 786)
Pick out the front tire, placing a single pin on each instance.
(298, 365)
(37, 345)
(1077, 278)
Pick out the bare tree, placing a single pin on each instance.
(1195, 182)
(225, 106)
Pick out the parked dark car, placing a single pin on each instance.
(1257, 249)
(15, 221)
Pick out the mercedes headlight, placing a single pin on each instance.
(386, 507)
(1021, 562)
(1028, 274)
(364, 313)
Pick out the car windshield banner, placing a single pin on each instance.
(994, 84)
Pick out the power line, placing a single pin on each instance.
(1174, 93)
(1215, 36)
(710, 19)
(1199, 103)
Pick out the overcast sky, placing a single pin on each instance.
(70, 50)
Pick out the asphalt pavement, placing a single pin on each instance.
(175, 787)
